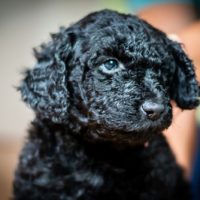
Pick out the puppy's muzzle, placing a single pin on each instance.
(152, 110)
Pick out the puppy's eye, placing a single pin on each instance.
(111, 66)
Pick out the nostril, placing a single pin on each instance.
(152, 110)
(149, 112)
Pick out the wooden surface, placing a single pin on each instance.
(9, 152)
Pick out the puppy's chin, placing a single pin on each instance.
(123, 137)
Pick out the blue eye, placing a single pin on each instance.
(111, 66)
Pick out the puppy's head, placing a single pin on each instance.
(110, 77)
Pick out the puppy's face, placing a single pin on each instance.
(111, 77)
(127, 93)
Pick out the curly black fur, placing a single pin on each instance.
(87, 140)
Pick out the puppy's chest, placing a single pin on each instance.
(124, 175)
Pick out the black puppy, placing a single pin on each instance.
(100, 90)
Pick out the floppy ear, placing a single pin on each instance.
(44, 87)
(184, 89)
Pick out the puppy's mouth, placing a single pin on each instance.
(120, 137)
(151, 120)
(131, 135)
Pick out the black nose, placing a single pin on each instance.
(152, 110)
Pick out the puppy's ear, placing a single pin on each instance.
(44, 87)
(184, 89)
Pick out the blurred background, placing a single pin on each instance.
(25, 24)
